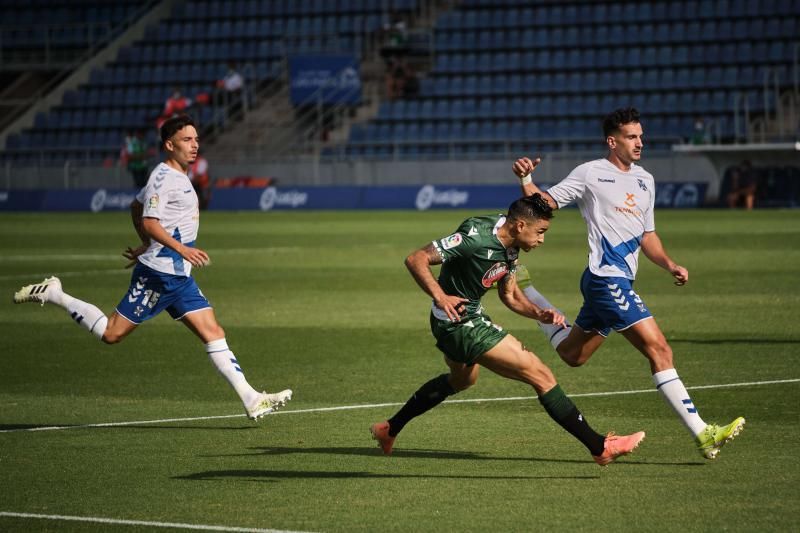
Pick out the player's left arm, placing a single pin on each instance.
(654, 250)
(153, 227)
(513, 298)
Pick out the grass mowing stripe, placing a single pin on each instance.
(391, 404)
(34, 278)
(117, 521)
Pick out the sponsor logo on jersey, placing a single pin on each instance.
(452, 241)
(497, 272)
(630, 204)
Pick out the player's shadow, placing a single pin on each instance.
(748, 340)
(418, 453)
(272, 476)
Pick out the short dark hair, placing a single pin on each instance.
(615, 119)
(533, 207)
(174, 125)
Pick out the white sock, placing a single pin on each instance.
(83, 313)
(674, 393)
(555, 334)
(228, 366)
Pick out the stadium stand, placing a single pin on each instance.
(189, 50)
(506, 75)
(509, 75)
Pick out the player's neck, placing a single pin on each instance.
(504, 236)
(619, 163)
(174, 164)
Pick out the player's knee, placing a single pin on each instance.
(110, 337)
(661, 354)
(573, 357)
(463, 382)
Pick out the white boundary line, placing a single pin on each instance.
(116, 521)
(390, 404)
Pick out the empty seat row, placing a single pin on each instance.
(731, 78)
(262, 28)
(679, 103)
(261, 8)
(239, 51)
(744, 53)
(494, 14)
(547, 128)
(667, 32)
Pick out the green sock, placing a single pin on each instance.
(563, 411)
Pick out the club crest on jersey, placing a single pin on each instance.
(495, 273)
(641, 184)
(452, 241)
(152, 202)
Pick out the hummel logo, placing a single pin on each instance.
(472, 231)
(489, 254)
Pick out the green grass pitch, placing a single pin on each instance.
(321, 302)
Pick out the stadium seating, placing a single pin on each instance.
(190, 50)
(551, 70)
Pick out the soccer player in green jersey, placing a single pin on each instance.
(484, 250)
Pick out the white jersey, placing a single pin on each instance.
(170, 197)
(618, 209)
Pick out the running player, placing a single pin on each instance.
(616, 198)
(166, 217)
(482, 251)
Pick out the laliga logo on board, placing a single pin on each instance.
(428, 197)
(271, 198)
(101, 199)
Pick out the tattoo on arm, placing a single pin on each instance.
(434, 257)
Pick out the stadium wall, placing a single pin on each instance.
(418, 197)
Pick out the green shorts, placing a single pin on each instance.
(467, 340)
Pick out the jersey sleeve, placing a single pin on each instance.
(570, 188)
(459, 244)
(649, 217)
(154, 201)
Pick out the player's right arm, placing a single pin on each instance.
(131, 253)
(153, 228)
(419, 265)
(523, 168)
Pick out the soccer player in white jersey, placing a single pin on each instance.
(616, 198)
(166, 216)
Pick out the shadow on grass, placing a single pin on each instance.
(274, 475)
(748, 340)
(432, 454)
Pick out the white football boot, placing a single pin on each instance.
(38, 292)
(267, 403)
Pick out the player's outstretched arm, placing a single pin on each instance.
(419, 265)
(654, 250)
(523, 168)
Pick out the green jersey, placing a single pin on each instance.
(474, 259)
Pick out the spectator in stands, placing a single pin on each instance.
(396, 31)
(135, 155)
(396, 77)
(230, 89)
(744, 183)
(175, 105)
(201, 181)
(699, 135)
